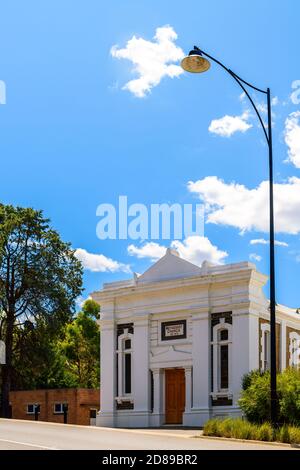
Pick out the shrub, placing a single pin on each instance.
(283, 434)
(255, 396)
(248, 378)
(255, 399)
(242, 429)
(211, 427)
(289, 396)
(265, 432)
(294, 433)
(225, 427)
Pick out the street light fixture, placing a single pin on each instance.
(196, 62)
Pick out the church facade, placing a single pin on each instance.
(177, 340)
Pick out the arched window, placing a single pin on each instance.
(124, 353)
(294, 350)
(127, 366)
(221, 345)
(223, 360)
(265, 347)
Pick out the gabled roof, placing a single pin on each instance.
(170, 266)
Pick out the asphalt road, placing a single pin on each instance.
(22, 435)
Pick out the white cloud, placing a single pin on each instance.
(247, 209)
(255, 257)
(296, 255)
(292, 137)
(295, 96)
(262, 241)
(275, 101)
(229, 125)
(262, 108)
(99, 263)
(151, 250)
(80, 300)
(278, 243)
(195, 249)
(259, 241)
(152, 60)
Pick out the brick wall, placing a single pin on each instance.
(80, 401)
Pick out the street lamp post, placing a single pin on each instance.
(196, 62)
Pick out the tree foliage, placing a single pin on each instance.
(61, 358)
(40, 279)
(81, 346)
(255, 398)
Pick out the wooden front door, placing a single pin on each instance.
(175, 395)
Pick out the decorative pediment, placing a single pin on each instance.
(169, 354)
(170, 266)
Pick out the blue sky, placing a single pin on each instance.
(72, 138)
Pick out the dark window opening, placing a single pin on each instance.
(127, 373)
(93, 414)
(58, 408)
(151, 391)
(33, 408)
(127, 344)
(223, 335)
(30, 409)
(224, 367)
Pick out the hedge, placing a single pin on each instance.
(239, 428)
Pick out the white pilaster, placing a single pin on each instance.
(156, 417)
(188, 389)
(156, 390)
(141, 376)
(201, 371)
(245, 353)
(283, 363)
(108, 376)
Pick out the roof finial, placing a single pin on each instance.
(172, 251)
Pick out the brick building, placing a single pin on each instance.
(83, 405)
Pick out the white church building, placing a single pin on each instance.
(177, 340)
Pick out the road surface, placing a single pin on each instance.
(31, 435)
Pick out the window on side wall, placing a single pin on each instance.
(58, 408)
(30, 408)
(265, 347)
(294, 350)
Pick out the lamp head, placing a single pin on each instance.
(195, 62)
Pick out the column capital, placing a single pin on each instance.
(156, 370)
(200, 315)
(142, 320)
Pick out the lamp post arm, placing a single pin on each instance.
(241, 82)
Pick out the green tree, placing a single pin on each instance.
(255, 396)
(81, 346)
(40, 277)
(37, 359)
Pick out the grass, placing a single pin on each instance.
(239, 428)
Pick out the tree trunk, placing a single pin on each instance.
(7, 369)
